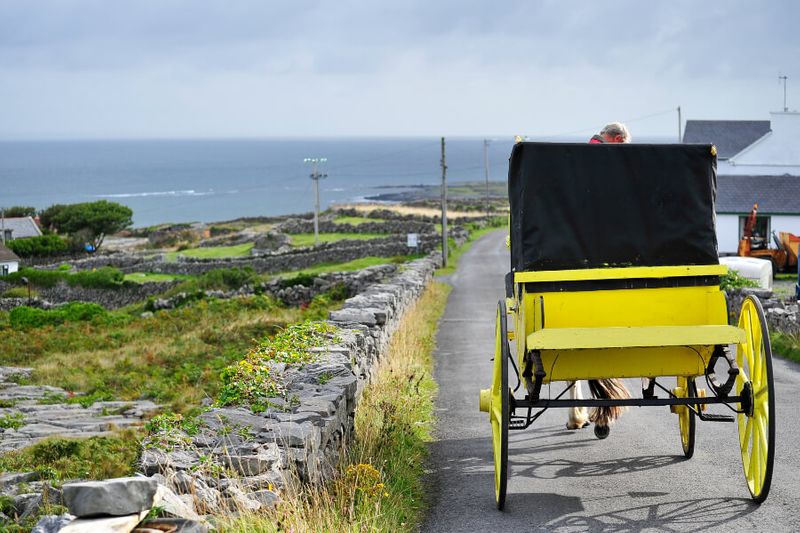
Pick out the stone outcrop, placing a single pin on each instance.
(34, 412)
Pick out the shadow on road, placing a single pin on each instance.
(687, 515)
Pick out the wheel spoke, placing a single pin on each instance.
(744, 436)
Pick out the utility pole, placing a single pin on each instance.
(680, 123)
(486, 143)
(444, 208)
(316, 176)
(784, 79)
(3, 225)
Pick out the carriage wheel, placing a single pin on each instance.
(499, 413)
(686, 417)
(755, 384)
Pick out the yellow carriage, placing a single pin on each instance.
(615, 274)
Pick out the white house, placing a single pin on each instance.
(9, 262)
(758, 162)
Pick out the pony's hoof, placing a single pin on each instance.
(601, 432)
(573, 426)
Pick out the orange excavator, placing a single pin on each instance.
(783, 256)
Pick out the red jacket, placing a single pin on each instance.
(597, 139)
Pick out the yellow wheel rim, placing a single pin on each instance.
(757, 426)
(686, 421)
(498, 412)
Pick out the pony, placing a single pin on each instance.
(602, 417)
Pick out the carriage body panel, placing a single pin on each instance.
(654, 326)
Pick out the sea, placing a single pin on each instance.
(213, 180)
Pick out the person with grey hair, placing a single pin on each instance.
(614, 132)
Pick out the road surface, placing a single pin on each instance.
(636, 480)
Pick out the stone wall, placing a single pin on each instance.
(393, 227)
(240, 459)
(297, 259)
(62, 293)
(782, 316)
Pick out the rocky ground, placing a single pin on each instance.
(30, 413)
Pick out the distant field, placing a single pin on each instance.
(355, 221)
(406, 210)
(307, 239)
(214, 252)
(147, 277)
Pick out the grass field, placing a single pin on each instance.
(307, 239)
(355, 221)
(356, 264)
(147, 277)
(213, 252)
(173, 357)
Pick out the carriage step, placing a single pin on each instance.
(716, 418)
(517, 424)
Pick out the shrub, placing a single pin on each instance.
(733, 280)
(103, 278)
(19, 292)
(43, 246)
(24, 317)
(228, 278)
(306, 280)
(40, 278)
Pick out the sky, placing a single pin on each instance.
(263, 68)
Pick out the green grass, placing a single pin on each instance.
(355, 221)
(381, 484)
(785, 345)
(58, 459)
(356, 264)
(213, 252)
(307, 239)
(786, 276)
(146, 277)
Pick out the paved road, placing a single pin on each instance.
(636, 480)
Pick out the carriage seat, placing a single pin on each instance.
(632, 337)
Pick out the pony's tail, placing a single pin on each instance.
(613, 389)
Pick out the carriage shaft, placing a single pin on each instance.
(631, 402)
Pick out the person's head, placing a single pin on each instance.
(615, 132)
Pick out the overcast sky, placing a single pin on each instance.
(264, 68)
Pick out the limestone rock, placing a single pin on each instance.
(114, 497)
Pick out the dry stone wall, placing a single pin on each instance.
(240, 459)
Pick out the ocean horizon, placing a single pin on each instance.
(206, 180)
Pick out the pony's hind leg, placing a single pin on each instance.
(578, 416)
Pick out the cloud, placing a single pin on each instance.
(213, 68)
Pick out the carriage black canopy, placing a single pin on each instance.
(609, 205)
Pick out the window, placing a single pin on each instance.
(761, 231)
(4, 270)
(8, 234)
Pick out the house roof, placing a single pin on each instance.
(7, 255)
(729, 136)
(776, 195)
(21, 227)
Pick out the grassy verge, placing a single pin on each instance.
(785, 345)
(379, 487)
(307, 239)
